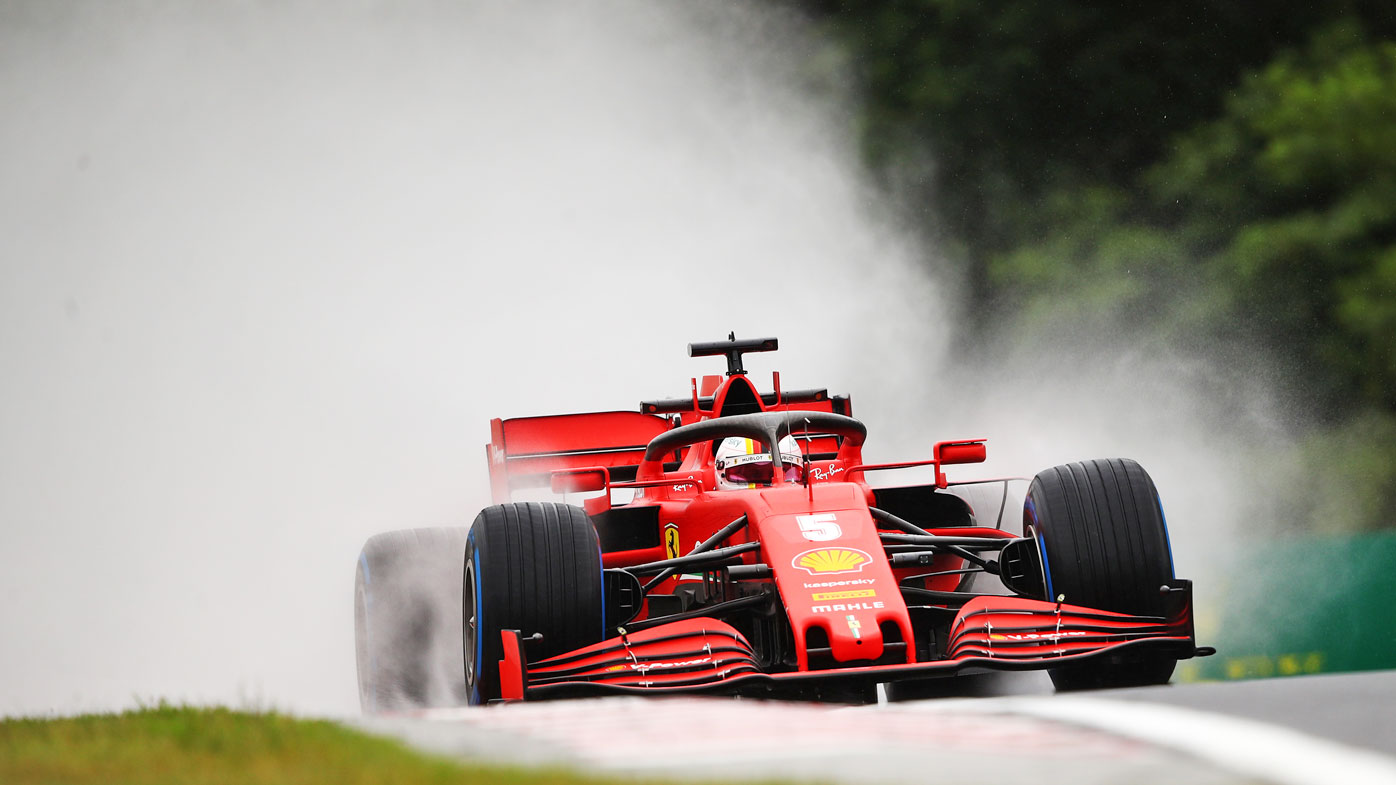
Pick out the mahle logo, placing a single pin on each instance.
(831, 561)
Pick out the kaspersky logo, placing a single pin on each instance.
(831, 561)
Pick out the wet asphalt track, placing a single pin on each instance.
(1294, 731)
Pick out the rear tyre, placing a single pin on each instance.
(1104, 544)
(535, 568)
(407, 620)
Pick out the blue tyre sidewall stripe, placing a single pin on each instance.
(1046, 568)
(477, 663)
(1167, 539)
(1041, 549)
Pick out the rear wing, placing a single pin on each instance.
(524, 451)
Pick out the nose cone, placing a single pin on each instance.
(831, 570)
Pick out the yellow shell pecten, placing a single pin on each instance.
(831, 560)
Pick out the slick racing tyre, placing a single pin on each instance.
(535, 568)
(1104, 544)
(407, 620)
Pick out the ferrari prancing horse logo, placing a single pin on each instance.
(671, 541)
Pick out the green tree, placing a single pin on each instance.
(1291, 199)
(1017, 100)
(1274, 224)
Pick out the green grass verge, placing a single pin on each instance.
(193, 746)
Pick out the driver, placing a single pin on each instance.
(743, 463)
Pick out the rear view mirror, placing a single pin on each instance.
(956, 452)
(580, 480)
(960, 452)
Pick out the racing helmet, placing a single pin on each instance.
(745, 463)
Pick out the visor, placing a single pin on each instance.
(762, 471)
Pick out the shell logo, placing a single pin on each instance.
(829, 561)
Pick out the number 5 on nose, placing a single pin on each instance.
(820, 527)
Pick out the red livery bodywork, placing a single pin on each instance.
(817, 588)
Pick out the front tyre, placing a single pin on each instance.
(535, 568)
(1104, 544)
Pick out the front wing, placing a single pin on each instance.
(990, 633)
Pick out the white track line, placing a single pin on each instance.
(636, 732)
(1280, 755)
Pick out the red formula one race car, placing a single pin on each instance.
(755, 558)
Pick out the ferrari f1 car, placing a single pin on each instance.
(756, 558)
